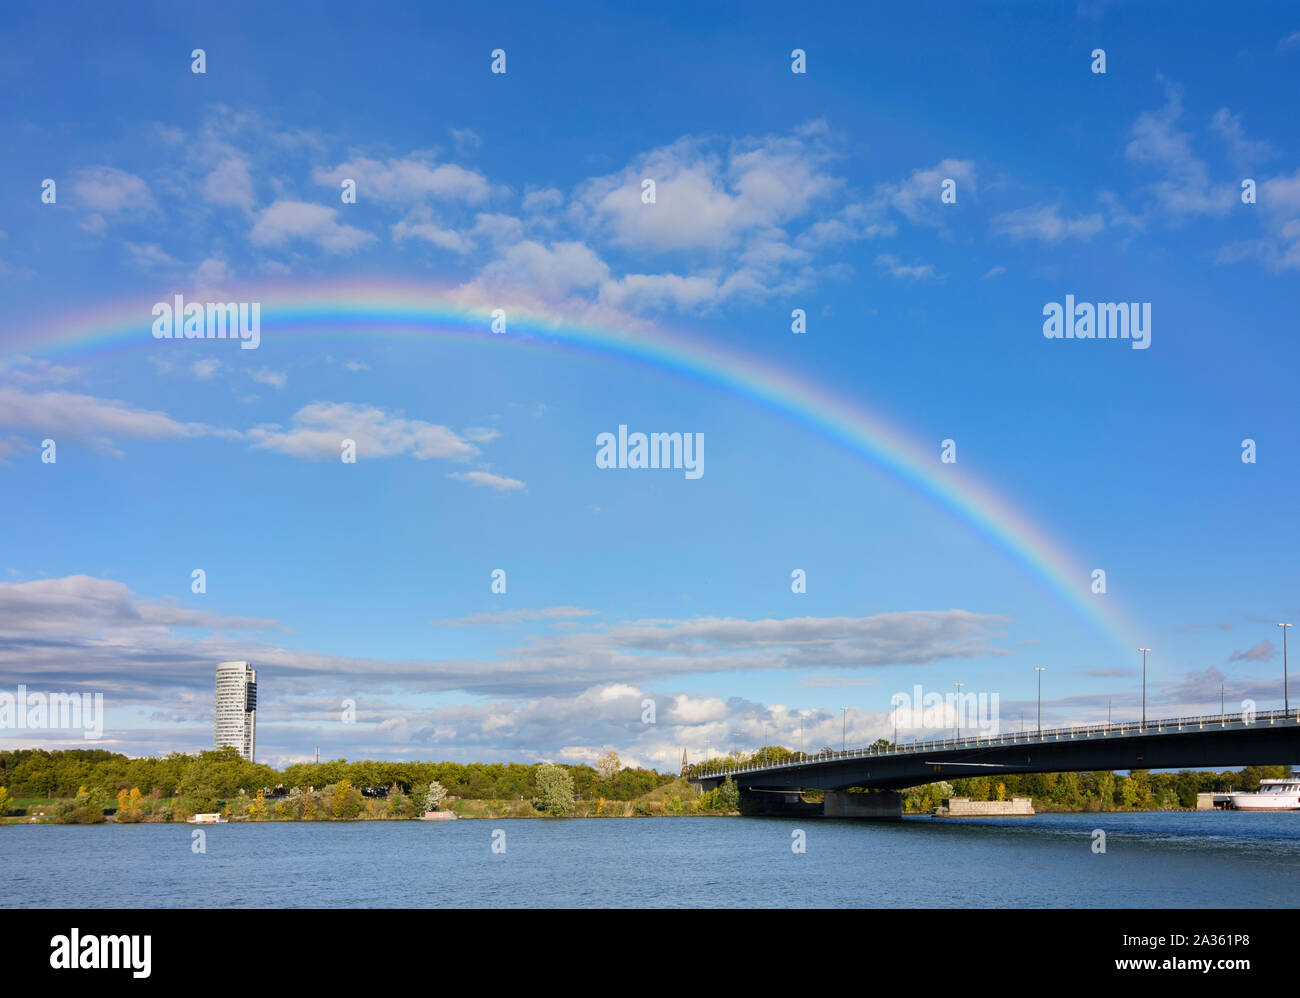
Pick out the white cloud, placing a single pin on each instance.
(211, 277)
(553, 272)
(111, 191)
(20, 367)
(230, 183)
(657, 291)
(147, 256)
(1185, 188)
(264, 375)
(488, 480)
(1279, 203)
(467, 140)
(890, 264)
(93, 421)
(407, 181)
(1245, 153)
(419, 224)
(917, 197)
(707, 200)
(542, 200)
(288, 220)
(1046, 224)
(319, 429)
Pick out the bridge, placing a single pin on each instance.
(1266, 738)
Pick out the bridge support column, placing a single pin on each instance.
(880, 805)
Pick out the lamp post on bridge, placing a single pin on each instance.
(1286, 699)
(1144, 685)
(1040, 670)
(959, 686)
(844, 728)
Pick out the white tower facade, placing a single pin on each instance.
(236, 713)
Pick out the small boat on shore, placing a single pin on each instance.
(439, 816)
(207, 819)
(1273, 795)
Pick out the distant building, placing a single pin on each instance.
(236, 714)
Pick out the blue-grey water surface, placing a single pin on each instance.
(1181, 859)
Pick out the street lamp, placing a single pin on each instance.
(844, 727)
(959, 686)
(1286, 700)
(1144, 685)
(1040, 670)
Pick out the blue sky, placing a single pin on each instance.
(775, 191)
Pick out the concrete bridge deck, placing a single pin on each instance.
(1266, 738)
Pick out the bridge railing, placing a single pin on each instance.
(1107, 729)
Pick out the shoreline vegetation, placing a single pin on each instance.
(92, 786)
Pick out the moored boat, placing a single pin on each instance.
(1273, 795)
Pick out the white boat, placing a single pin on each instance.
(1273, 795)
(207, 819)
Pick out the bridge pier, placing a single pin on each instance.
(882, 805)
(776, 803)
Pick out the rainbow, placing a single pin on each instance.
(375, 308)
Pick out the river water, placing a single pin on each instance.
(1199, 859)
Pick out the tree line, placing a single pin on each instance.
(93, 778)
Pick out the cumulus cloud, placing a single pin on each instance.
(287, 221)
(407, 181)
(230, 183)
(553, 271)
(706, 198)
(108, 190)
(318, 430)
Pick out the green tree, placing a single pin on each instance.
(6, 802)
(1187, 787)
(554, 790)
(728, 796)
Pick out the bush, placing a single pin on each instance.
(87, 808)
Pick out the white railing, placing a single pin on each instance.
(1073, 732)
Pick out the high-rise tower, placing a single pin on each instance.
(236, 714)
